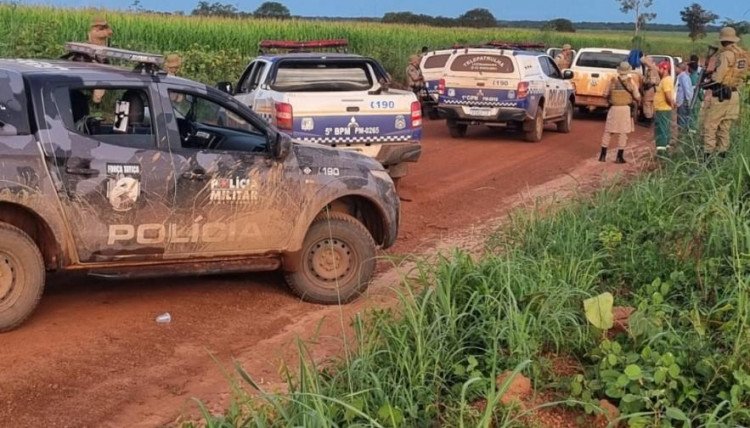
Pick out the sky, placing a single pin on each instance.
(668, 11)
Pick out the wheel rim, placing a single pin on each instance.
(330, 261)
(8, 278)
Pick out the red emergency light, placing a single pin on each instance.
(297, 45)
(515, 45)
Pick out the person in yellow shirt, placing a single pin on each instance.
(663, 105)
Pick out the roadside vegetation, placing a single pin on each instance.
(216, 49)
(673, 246)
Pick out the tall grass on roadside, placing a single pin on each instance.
(675, 245)
(219, 48)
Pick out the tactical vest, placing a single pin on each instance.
(738, 69)
(618, 95)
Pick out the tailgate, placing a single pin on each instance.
(354, 117)
(592, 83)
(485, 80)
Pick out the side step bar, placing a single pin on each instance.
(189, 269)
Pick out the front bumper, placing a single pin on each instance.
(504, 114)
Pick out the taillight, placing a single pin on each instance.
(441, 87)
(416, 114)
(284, 116)
(523, 90)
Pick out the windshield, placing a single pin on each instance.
(601, 59)
(312, 76)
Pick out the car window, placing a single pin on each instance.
(545, 66)
(251, 78)
(483, 63)
(552, 69)
(322, 76)
(116, 115)
(208, 125)
(600, 59)
(435, 61)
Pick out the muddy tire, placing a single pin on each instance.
(535, 128)
(337, 261)
(21, 276)
(567, 122)
(457, 130)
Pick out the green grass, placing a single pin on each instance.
(674, 244)
(219, 48)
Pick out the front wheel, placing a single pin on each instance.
(337, 261)
(21, 276)
(565, 124)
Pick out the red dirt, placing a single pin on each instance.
(92, 354)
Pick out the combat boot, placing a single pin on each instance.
(620, 156)
(603, 155)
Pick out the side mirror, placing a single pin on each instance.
(280, 145)
(568, 74)
(226, 87)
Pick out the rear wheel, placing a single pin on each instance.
(457, 130)
(565, 124)
(21, 276)
(535, 127)
(337, 262)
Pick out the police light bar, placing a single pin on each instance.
(311, 44)
(515, 45)
(97, 52)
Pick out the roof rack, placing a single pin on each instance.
(87, 52)
(291, 46)
(494, 44)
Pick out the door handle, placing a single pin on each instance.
(352, 109)
(88, 172)
(196, 174)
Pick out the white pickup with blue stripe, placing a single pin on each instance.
(491, 86)
(339, 100)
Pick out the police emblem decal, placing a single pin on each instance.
(308, 124)
(400, 122)
(123, 186)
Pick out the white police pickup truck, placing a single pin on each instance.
(432, 66)
(494, 86)
(336, 99)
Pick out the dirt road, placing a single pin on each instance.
(92, 354)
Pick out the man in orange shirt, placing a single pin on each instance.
(663, 105)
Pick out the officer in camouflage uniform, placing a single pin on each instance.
(723, 107)
(414, 78)
(564, 59)
(99, 34)
(172, 64)
(623, 95)
(651, 80)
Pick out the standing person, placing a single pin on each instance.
(172, 64)
(414, 77)
(623, 94)
(564, 59)
(99, 34)
(684, 96)
(648, 90)
(724, 105)
(663, 105)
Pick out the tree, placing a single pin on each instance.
(560, 24)
(638, 8)
(741, 27)
(204, 8)
(272, 9)
(696, 18)
(477, 18)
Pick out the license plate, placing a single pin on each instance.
(481, 111)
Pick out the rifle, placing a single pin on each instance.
(701, 85)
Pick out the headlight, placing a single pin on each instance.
(383, 175)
